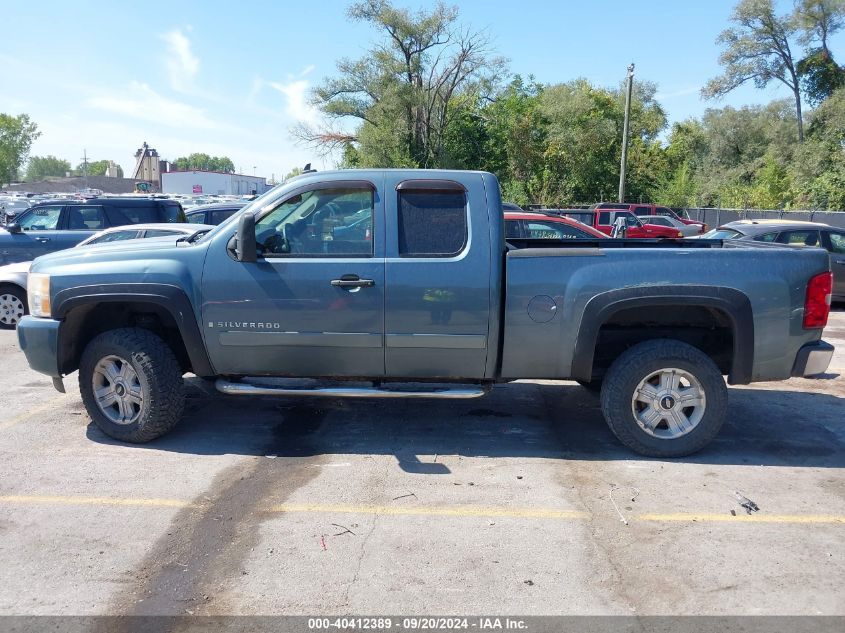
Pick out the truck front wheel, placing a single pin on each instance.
(131, 385)
(664, 398)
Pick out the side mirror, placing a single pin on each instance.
(245, 249)
(13, 227)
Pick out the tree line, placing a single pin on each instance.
(430, 94)
(17, 133)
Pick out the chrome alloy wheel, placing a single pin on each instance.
(668, 403)
(117, 390)
(11, 309)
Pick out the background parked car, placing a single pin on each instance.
(527, 225)
(795, 233)
(55, 226)
(641, 209)
(13, 299)
(11, 207)
(603, 220)
(667, 220)
(213, 214)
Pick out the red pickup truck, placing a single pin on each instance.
(604, 219)
(639, 209)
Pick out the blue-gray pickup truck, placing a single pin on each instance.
(400, 283)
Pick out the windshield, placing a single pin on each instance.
(721, 234)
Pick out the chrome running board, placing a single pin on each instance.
(250, 389)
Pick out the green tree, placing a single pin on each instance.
(97, 168)
(401, 94)
(819, 73)
(819, 166)
(17, 134)
(584, 141)
(758, 49)
(39, 167)
(200, 161)
(818, 20)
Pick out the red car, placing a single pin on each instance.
(604, 219)
(650, 209)
(527, 225)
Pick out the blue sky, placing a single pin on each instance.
(231, 78)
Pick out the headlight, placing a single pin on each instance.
(38, 294)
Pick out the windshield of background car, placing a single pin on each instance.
(721, 234)
(41, 219)
(115, 236)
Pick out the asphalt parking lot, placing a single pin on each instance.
(506, 505)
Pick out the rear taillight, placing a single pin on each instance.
(817, 303)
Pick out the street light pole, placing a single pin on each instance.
(625, 133)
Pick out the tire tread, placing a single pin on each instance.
(161, 369)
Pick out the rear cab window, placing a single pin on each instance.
(432, 219)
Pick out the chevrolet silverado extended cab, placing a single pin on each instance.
(403, 280)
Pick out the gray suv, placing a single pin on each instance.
(796, 233)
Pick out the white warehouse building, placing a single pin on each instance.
(211, 182)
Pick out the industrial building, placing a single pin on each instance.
(211, 182)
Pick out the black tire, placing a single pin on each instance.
(9, 321)
(158, 374)
(634, 366)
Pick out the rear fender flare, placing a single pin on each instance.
(730, 301)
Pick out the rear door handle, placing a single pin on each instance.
(43, 240)
(352, 281)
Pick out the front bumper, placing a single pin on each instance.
(812, 359)
(39, 341)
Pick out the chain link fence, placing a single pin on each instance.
(718, 217)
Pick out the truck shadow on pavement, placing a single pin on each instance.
(522, 420)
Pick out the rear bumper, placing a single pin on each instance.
(39, 341)
(812, 359)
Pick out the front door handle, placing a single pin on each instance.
(352, 281)
(43, 240)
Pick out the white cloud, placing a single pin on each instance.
(295, 93)
(182, 64)
(142, 102)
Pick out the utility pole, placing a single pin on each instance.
(625, 134)
(85, 166)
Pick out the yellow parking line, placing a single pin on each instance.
(94, 501)
(742, 518)
(7, 424)
(453, 511)
(434, 511)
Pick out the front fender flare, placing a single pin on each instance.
(169, 297)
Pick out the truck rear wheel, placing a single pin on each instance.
(664, 398)
(131, 385)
